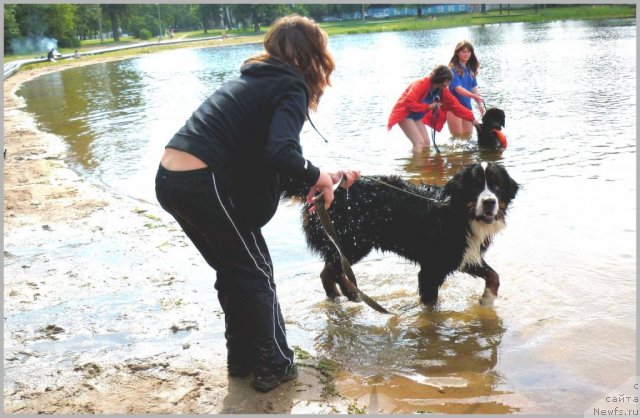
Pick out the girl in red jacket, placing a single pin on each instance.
(426, 102)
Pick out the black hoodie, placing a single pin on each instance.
(248, 133)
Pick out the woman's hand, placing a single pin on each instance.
(434, 106)
(348, 177)
(325, 183)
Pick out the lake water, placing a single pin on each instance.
(562, 332)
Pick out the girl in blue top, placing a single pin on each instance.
(464, 86)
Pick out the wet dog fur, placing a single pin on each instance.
(443, 229)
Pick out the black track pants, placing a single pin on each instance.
(255, 329)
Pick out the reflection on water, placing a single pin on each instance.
(436, 168)
(564, 326)
(433, 360)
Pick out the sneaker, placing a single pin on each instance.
(271, 381)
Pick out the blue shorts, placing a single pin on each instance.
(467, 104)
(416, 115)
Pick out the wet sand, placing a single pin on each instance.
(68, 246)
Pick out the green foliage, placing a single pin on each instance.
(468, 19)
(142, 20)
(11, 28)
(61, 24)
(111, 13)
(35, 27)
(144, 34)
(87, 21)
(259, 14)
(41, 26)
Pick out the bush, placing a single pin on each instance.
(69, 42)
(145, 34)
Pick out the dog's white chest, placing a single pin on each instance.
(478, 234)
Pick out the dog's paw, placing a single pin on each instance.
(353, 296)
(487, 298)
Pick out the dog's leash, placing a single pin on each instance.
(484, 105)
(433, 121)
(350, 279)
(402, 190)
(315, 129)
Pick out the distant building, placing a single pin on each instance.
(384, 11)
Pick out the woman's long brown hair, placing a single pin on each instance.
(473, 64)
(301, 43)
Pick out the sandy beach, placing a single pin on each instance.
(66, 240)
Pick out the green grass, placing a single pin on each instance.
(218, 32)
(468, 19)
(86, 46)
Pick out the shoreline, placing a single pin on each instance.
(36, 181)
(32, 154)
(56, 224)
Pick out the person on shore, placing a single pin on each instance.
(51, 55)
(219, 178)
(426, 102)
(464, 86)
(76, 54)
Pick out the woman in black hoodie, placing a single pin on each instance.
(219, 178)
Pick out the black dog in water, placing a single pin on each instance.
(490, 134)
(443, 229)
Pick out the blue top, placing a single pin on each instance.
(467, 81)
(432, 96)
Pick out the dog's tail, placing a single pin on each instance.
(292, 189)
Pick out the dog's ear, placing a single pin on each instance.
(455, 185)
(510, 186)
(513, 186)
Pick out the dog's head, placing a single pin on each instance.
(483, 191)
(493, 118)
(489, 132)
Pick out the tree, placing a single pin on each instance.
(87, 20)
(256, 14)
(142, 17)
(11, 28)
(60, 20)
(316, 11)
(113, 11)
(181, 16)
(226, 16)
(206, 11)
(55, 22)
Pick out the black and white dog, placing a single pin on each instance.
(441, 228)
(490, 134)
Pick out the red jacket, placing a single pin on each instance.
(411, 101)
